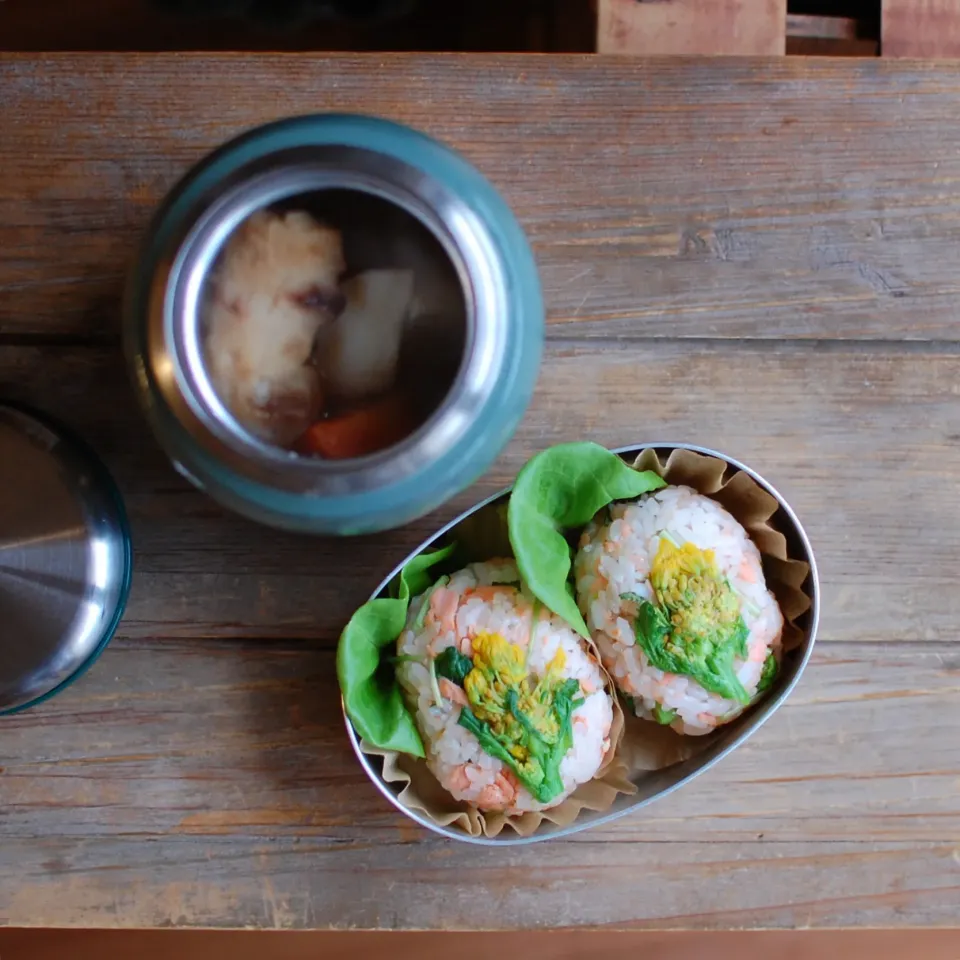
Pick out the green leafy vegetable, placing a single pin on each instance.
(415, 576)
(768, 674)
(539, 772)
(695, 629)
(663, 716)
(525, 722)
(560, 488)
(710, 665)
(544, 753)
(481, 730)
(372, 700)
(453, 665)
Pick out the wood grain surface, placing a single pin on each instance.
(758, 256)
(668, 197)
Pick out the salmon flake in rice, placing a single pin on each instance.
(511, 706)
(673, 592)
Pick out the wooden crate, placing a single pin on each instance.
(921, 28)
(756, 27)
(904, 28)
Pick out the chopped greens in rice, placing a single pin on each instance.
(511, 707)
(673, 592)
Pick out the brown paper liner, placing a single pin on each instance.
(422, 791)
(637, 746)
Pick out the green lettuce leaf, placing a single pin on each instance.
(415, 577)
(560, 488)
(371, 695)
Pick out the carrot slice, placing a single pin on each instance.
(367, 429)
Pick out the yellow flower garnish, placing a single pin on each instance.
(522, 713)
(687, 582)
(694, 627)
(558, 662)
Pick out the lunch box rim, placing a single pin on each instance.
(111, 489)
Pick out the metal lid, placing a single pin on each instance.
(64, 558)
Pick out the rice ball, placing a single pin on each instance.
(673, 592)
(511, 706)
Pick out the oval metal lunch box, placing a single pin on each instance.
(400, 200)
(476, 526)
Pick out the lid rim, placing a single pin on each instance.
(108, 512)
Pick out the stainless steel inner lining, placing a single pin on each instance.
(176, 347)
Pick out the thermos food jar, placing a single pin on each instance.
(275, 247)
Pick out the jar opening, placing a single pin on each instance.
(310, 238)
(332, 324)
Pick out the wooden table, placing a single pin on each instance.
(760, 256)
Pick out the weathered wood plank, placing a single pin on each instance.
(920, 28)
(712, 27)
(728, 198)
(287, 883)
(120, 755)
(199, 775)
(863, 443)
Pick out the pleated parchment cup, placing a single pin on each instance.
(639, 748)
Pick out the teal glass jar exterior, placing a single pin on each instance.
(412, 492)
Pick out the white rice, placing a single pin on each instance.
(614, 558)
(454, 754)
